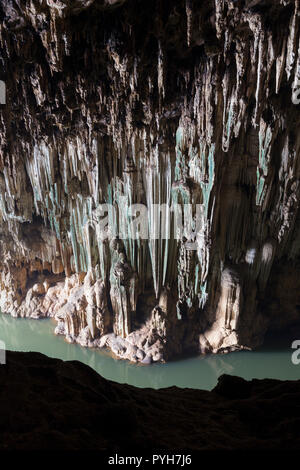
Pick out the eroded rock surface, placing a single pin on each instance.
(157, 102)
(68, 406)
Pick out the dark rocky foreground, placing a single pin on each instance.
(48, 404)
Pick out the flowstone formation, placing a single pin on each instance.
(164, 103)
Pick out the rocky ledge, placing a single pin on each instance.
(48, 404)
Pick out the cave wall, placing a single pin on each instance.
(158, 102)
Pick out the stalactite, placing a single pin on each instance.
(189, 116)
(189, 20)
(292, 40)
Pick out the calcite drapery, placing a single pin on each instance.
(188, 103)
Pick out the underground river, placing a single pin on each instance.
(198, 372)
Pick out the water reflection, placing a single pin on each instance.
(199, 372)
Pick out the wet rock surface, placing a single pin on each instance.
(48, 404)
(183, 103)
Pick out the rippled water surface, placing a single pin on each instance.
(198, 372)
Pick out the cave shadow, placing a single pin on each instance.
(280, 340)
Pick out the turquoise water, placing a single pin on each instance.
(199, 372)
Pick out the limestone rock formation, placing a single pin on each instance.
(187, 105)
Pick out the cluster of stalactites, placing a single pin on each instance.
(145, 166)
